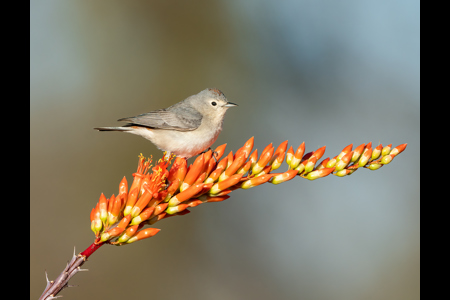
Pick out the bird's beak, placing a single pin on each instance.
(229, 104)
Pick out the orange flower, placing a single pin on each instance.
(168, 189)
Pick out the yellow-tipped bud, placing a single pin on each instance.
(374, 166)
(186, 194)
(220, 186)
(141, 203)
(387, 159)
(132, 198)
(175, 209)
(194, 171)
(377, 152)
(357, 152)
(262, 162)
(319, 173)
(103, 207)
(367, 155)
(289, 155)
(397, 150)
(332, 162)
(143, 234)
(143, 216)
(386, 150)
(283, 177)
(344, 152)
(343, 172)
(116, 231)
(128, 234)
(256, 181)
(345, 160)
(310, 164)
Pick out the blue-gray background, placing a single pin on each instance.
(324, 72)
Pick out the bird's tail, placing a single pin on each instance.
(113, 128)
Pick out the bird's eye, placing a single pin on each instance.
(214, 103)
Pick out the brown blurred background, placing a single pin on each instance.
(324, 72)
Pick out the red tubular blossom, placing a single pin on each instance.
(267, 148)
(387, 159)
(332, 162)
(113, 215)
(176, 209)
(141, 203)
(123, 191)
(310, 163)
(124, 222)
(283, 177)
(386, 150)
(206, 159)
(245, 168)
(305, 159)
(262, 162)
(143, 234)
(194, 171)
(289, 155)
(128, 233)
(211, 165)
(215, 198)
(166, 192)
(205, 189)
(297, 157)
(178, 170)
(397, 150)
(194, 203)
(132, 198)
(319, 152)
(253, 158)
(201, 178)
(116, 231)
(248, 146)
(214, 175)
(220, 186)
(173, 187)
(323, 164)
(96, 223)
(237, 163)
(103, 208)
(143, 216)
(345, 151)
(357, 152)
(111, 203)
(230, 159)
(137, 181)
(377, 152)
(300, 151)
(319, 173)
(222, 164)
(186, 194)
(345, 160)
(219, 151)
(160, 208)
(278, 156)
(365, 157)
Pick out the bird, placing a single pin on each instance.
(186, 128)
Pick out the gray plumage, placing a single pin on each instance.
(185, 128)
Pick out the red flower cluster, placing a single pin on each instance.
(168, 192)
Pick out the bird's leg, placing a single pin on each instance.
(214, 155)
(213, 152)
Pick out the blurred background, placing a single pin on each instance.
(324, 72)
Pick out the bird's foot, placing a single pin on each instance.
(213, 152)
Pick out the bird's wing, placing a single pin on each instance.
(189, 119)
